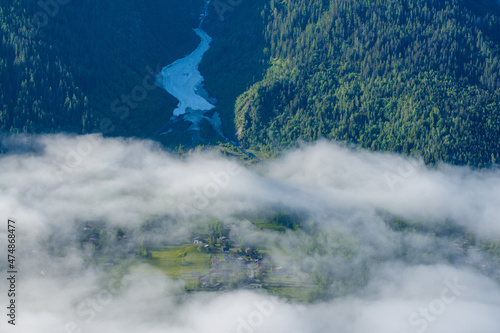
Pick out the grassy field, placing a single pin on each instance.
(187, 263)
(180, 262)
(263, 224)
(291, 293)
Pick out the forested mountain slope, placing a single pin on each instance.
(412, 76)
(64, 64)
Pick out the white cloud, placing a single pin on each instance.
(123, 182)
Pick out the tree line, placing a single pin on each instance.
(419, 77)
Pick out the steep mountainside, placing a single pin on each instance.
(65, 67)
(412, 76)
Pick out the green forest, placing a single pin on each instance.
(418, 77)
(90, 66)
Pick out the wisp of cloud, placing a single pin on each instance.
(417, 278)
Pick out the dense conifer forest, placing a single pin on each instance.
(420, 77)
(67, 65)
(415, 76)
